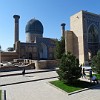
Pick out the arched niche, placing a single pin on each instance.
(42, 51)
(93, 40)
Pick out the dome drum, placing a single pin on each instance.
(31, 37)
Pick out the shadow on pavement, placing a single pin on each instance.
(26, 81)
(96, 86)
(29, 76)
(4, 94)
(26, 73)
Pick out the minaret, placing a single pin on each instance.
(63, 29)
(16, 17)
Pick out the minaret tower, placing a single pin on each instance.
(63, 29)
(16, 30)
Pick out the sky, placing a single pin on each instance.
(51, 13)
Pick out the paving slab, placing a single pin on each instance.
(28, 89)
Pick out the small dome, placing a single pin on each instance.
(34, 27)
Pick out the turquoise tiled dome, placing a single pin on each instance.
(34, 27)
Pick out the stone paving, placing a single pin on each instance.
(35, 86)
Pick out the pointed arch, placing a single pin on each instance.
(43, 51)
(93, 34)
(93, 40)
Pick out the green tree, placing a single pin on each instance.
(10, 49)
(60, 48)
(0, 47)
(69, 70)
(95, 63)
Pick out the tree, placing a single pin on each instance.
(10, 49)
(0, 47)
(69, 70)
(60, 48)
(95, 63)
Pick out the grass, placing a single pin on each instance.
(0, 94)
(71, 87)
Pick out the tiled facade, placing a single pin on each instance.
(36, 46)
(85, 41)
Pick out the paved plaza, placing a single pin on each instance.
(36, 86)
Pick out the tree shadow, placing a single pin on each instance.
(84, 84)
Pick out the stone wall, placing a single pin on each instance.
(8, 56)
(52, 63)
(26, 49)
(69, 42)
(76, 24)
(39, 64)
(46, 64)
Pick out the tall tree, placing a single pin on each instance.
(60, 48)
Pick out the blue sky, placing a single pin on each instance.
(50, 12)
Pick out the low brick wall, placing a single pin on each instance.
(32, 64)
(8, 56)
(41, 64)
(15, 68)
(52, 63)
(46, 64)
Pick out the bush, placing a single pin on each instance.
(96, 63)
(69, 70)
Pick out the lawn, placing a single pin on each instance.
(73, 87)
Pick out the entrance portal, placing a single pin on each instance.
(93, 40)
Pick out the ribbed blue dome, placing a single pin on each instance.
(34, 26)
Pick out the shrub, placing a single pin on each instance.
(96, 63)
(69, 70)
